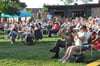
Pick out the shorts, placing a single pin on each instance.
(86, 46)
(13, 34)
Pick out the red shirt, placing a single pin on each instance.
(3, 22)
(55, 27)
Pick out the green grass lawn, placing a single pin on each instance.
(19, 54)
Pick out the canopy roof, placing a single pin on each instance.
(22, 14)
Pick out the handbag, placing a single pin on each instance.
(79, 58)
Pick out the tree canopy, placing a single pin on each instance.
(11, 7)
(70, 1)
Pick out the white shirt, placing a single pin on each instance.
(43, 25)
(65, 25)
(94, 27)
(81, 35)
(49, 16)
(88, 34)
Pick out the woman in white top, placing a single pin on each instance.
(80, 42)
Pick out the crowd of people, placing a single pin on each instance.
(79, 30)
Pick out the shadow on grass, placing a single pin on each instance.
(2, 37)
(39, 51)
(19, 51)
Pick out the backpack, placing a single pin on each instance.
(79, 58)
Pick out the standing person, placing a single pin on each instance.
(49, 25)
(60, 43)
(13, 33)
(49, 16)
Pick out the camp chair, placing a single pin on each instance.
(88, 50)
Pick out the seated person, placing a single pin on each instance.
(54, 29)
(92, 37)
(60, 43)
(13, 33)
(80, 42)
(28, 35)
(37, 31)
(89, 32)
(96, 42)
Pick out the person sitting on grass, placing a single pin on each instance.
(60, 43)
(13, 33)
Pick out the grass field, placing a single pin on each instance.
(19, 54)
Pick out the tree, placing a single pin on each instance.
(66, 2)
(11, 7)
(44, 10)
(28, 10)
(86, 1)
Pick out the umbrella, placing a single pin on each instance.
(5, 15)
(22, 14)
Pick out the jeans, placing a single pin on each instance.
(52, 31)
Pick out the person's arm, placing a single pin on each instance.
(96, 39)
(61, 32)
(65, 36)
(12, 28)
(81, 39)
(62, 24)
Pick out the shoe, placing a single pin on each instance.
(51, 50)
(60, 60)
(65, 61)
(55, 57)
(49, 36)
(12, 42)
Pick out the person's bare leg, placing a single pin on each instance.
(71, 52)
(12, 40)
(67, 52)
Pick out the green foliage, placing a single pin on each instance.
(17, 1)
(31, 19)
(11, 6)
(86, 1)
(66, 2)
(1, 5)
(44, 10)
(28, 10)
(22, 5)
(11, 10)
